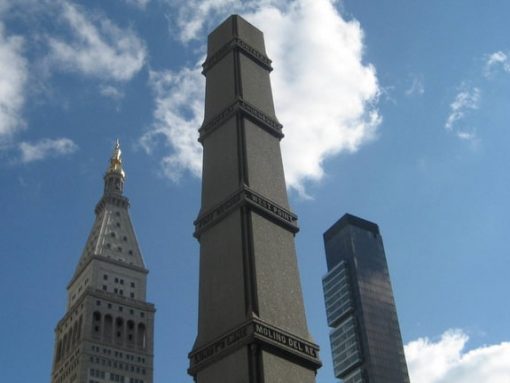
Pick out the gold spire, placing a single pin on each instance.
(116, 160)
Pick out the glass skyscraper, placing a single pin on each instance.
(365, 336)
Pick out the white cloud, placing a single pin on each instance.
(466, 101)
(111, 92)
(196, 17)
(13, 78)
(46, 148)
(497, 60)
(192, 15)
(324, 93)
(178, 114)
(447, 361)
(98, 48)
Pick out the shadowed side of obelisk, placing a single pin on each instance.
(252, 325)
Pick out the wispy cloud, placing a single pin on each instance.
(468, 98)
(495, 61)
(97, 48)
(447, 361)
(466, 101)
(46, 148)
(336, 108)
(142, 4)
(111, 91)
(13, 79)
(417, 86)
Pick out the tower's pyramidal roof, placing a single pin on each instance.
(112, 235)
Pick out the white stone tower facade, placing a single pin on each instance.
(106, 334)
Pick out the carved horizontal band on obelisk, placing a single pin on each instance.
(251, 325)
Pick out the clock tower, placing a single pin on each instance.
(106, 334)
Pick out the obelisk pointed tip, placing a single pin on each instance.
(233, 27)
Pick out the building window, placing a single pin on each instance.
(105, 277)
(132, 295)
(105, 287)
(98, 303)
(132, 284)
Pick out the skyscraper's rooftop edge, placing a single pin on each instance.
(350, 220)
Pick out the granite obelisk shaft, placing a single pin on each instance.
(251, 325)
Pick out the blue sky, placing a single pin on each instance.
(393, 111)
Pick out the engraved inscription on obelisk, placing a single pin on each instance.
(251, 325)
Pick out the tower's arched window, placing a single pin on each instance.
(68, 341)
(74, 333)
(96, 323)
(64, 344)
(80, 321)
(108, 327)
(119, 329)
(141, 336)
(130, 332)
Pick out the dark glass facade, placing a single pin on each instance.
(365, 338)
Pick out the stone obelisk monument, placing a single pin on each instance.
(251, 326)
